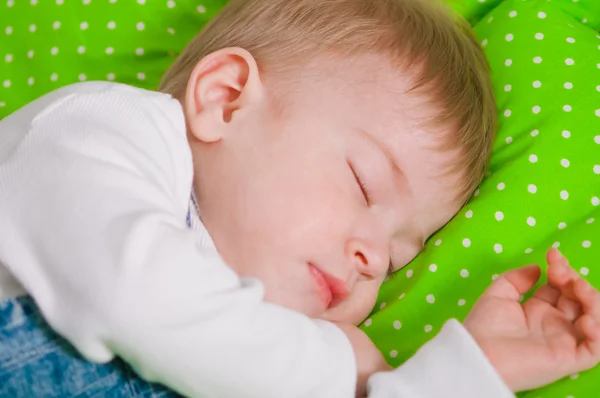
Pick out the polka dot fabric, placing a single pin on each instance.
(542, 189)
(46, 44)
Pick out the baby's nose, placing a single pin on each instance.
(369, 259)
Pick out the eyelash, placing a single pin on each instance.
(361, 184)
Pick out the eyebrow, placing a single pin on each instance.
(399, 177)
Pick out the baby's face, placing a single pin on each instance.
(321, 200)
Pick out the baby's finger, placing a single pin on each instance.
(560, 274)
(548, 293)
(588, 352)
(589, 297)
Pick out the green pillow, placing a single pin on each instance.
(543, 186)
(48, 44)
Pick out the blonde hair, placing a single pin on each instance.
(452, 70)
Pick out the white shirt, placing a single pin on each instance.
(95, 182)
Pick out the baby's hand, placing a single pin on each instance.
(368, 358)
(552, 335)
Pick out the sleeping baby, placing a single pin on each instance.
(222, 237)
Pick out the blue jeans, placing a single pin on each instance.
(36, 363)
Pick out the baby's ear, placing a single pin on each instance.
(221, 87)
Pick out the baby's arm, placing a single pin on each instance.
(96, 220)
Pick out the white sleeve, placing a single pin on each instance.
(450, 366)
(91, 228)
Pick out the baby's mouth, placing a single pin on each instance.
(332, 290)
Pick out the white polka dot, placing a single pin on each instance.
(33, 2)
(461, 302)
(556, 245)
(567, 108)
(531, 221)
(484, 42)
(533, 158)
(509, 37)
(562, 225)
(584, 271)
(469, 214)
(598, 112)
(59, 2)
(586, 244)
(393, 354)
(476, 193)
(170, 4)
(409, 273)
(8, 30)
(597, 88)
(142, 2)
(428, 328)
(86, 2)
(56, 25)
(400, 297)
(382, 305)
(8, 58)
(541, 15)
(81, 49)
(498, 248)
(512, 14)
(464, 273)
(539, 36)
(84, 25)
(141, 76)
(368, 322)
(54, 50)
(82, 77)
(171, 31)
(140, 26)
(30, 54)
(32, 28)
(509, 140)
(570, 40)
(6, 83)
(438, 242)
(531, 188)
(110, 76)
(111, 25)
(54, 77)
(574, 376)
(507, 113)
(466, 242)
(597, 169)
(397, 325)
(501, 186)
(564, 195)
(433, 267)
(536, 109)
(490, 19)
(537, 60)
(595, 201)
(537, 84)
(568, 85)
(109, 50)
(495, 276)
(139, 51)
(10, 3)
(430, 298)
(507, 88)
(31, 81)
(528, 250)
(569, 61)
(201, 9)
(566, 133)
(535, 133)
(590, 220)
(508, 62)
(499, 216)
(565, 163)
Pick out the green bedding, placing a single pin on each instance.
(543, 186)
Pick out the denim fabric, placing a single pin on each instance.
(36, 362)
